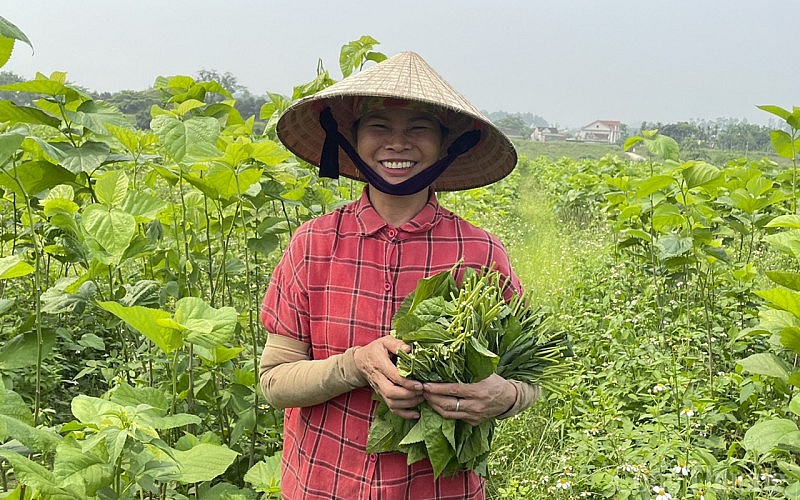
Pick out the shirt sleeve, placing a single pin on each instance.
(289, 379)
(527, 394)
(284, 310)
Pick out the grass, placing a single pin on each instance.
(547, 254)
(523, 446)
(560, 149)
(544, 250)
(595, 151)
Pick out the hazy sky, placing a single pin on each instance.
(569, 61)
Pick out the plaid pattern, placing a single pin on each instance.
(338, 284)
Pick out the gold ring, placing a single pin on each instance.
(458, 403)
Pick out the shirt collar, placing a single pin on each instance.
(370, 222)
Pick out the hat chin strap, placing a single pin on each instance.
(329, 160)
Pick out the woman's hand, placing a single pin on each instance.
(473, 403)
(374, 361)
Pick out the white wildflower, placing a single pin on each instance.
(661, 493)
(681, 469)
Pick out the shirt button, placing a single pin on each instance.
(392, 233)
(373, 457)
(387, 286)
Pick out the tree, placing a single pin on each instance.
(18, 98)
(530, 119)
(683, 132)
(226, 80)
(724, 133)
(248, 104)
(745, 136)
(134, 103)
(513, 125)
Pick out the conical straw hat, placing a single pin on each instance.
(403, 76)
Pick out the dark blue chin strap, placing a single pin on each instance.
(329, 160)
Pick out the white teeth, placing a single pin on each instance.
(398, 164)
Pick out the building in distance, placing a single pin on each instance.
(605, 131)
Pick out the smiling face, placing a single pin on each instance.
(398, 142)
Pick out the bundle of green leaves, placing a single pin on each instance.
(464, 334)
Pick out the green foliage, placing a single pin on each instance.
(9, 34)
(132, 264)
(132, 260)
(787, 144)
(354, 54)
(114, 449)
(464, 333)
(266, 476)
(134, 104)
(778, 436)
(658, 145)
(678, 358)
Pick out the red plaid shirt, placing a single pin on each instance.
(338, 285)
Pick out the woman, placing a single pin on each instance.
(403, 130)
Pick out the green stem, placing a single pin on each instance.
(252, 307)
(67, 123)
(209, 251)
(177, 236)
(118, 475)
(3, 475)
(187, 282)
(276, 214)
(226, 246)
(37, 278)
(190, 373)
(222, 416)
(794, 172)
(286, 216)
(16, 222)
(174, 377)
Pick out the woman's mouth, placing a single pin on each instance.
(398, 165)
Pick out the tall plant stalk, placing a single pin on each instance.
(37, 290)
(209, 251)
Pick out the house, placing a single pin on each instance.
(607, 131)
(544, 134)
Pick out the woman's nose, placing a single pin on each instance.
(397, 140)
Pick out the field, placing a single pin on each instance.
(133, 262)
(564, 149)
(596, 151)
(673, 279)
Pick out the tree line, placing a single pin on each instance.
(136, 104)
(721, 134)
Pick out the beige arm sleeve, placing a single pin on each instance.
(526, 395)
(290, 379)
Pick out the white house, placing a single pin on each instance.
(544, 134)
(607, 131)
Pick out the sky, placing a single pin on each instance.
(569, 61)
